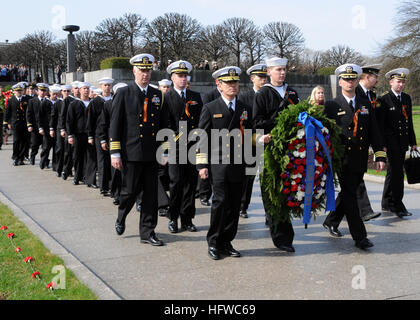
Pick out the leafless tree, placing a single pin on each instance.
(285, 39)
(87, 48)
(111, 37)
(341, 54)
(254, 45)
(212, 43)
(133, 26)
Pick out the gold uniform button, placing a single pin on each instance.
(360, 148)
(361, 128)
(153, 124)
(192, 127)
(141, 136)
(192, 118)
(349, 138)
(153, 134)
(361, 138)
(349, 148)
(349, 128)
(141, 125)
(140, 115)
(152, 114)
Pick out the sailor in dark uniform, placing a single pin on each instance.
(102, 135)
(138, 113)
(368, 81)
(54, 125)
(359, 130)
(76, 131)
(184, 108)
(32, 119)
(258, 74)
(271, 99)
(62, 126)
(15, 120)
(395, 117)
(226, 112)
(44, 120)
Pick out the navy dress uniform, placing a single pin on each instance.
(102, 135)
(68, 148)
(395, 117)
(32, 119)
(248, 97)
(227, 174)
(137, 115)
(76, 124)
(15, 116)
(184, 107)
(359, 130)
(365, 208)
(268, 102)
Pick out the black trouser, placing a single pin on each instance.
(346, 205)
(79, 155)
(224, 216)
(163, 186)
(282, 232)
(182, 185)
(137, 177)
(91, 164)
(104, 166)
(48, 143)
(363, 200)
(36, 142)
(59, 153)
(394, 182)
(68, 157)
(247, 192)
(20, 136)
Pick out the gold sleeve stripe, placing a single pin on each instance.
(166, 146)
(116, 145)
(5, 122)
(255, 138)
(202, 158)
(380, 154)
(29, 124)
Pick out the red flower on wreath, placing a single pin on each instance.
(284, 176)
(10, 235)
(289, 166)
(286, 191)
(28, 259)
(3, 228)
(301, 169)
(286, 183)
(18, 249)
(35, 274)
(299, 124)
(298, 162)
(294, 188)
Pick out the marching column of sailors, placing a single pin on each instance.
(110, 142)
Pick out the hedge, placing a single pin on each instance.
(116, 63)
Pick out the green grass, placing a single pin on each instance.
(416, 108)
(380, 173)
(16, 282)
(416, 125)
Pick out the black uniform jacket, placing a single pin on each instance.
(356, 139)
(136, 121)
(15, 114)
(268, 103)
(216, 115)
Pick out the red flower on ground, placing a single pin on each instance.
(11, 235)
(35, 274)
(18, 249)
(3, 228)
(51, 285)
(28, 259)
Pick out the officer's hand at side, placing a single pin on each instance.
(380, 166)
(30, 129)
(41, 132)
(91, 141)
(9, 126)
(116, 163)
(52, 133)
(104, 146)
(71, 140)
(204, 173)
(63, 134)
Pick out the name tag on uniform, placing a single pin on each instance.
(342, 113)
(217, 116)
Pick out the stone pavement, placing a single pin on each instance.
(77, 224)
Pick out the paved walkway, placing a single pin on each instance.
(77, 224)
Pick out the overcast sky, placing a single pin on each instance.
(362, 25)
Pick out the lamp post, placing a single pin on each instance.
(71, 64)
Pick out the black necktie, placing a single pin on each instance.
(368, 94)
(231, 109)
(183, 96)
(399, 98)
(351, 104)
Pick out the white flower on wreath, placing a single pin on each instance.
(296, 154)
(300, 133)
(325, 130)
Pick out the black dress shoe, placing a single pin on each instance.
(364, 244)
(163, 212)
(93, 186)
(231, 252)
(286, 248)
(243, 214)
(205, 202)
(370, 216)
(32, 161)
(189, 227)
(116, 202)
(58, 174)
(333, 230)
(214, 253)
(153, 240)
(64, 176)
(119, 228)
(173, 226)
(21, 163)
(15, 163)
(138, 207)
(75, 182)
(402, 214)
(386, 209)
(105, 193)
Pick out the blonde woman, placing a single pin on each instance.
(317, 96)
